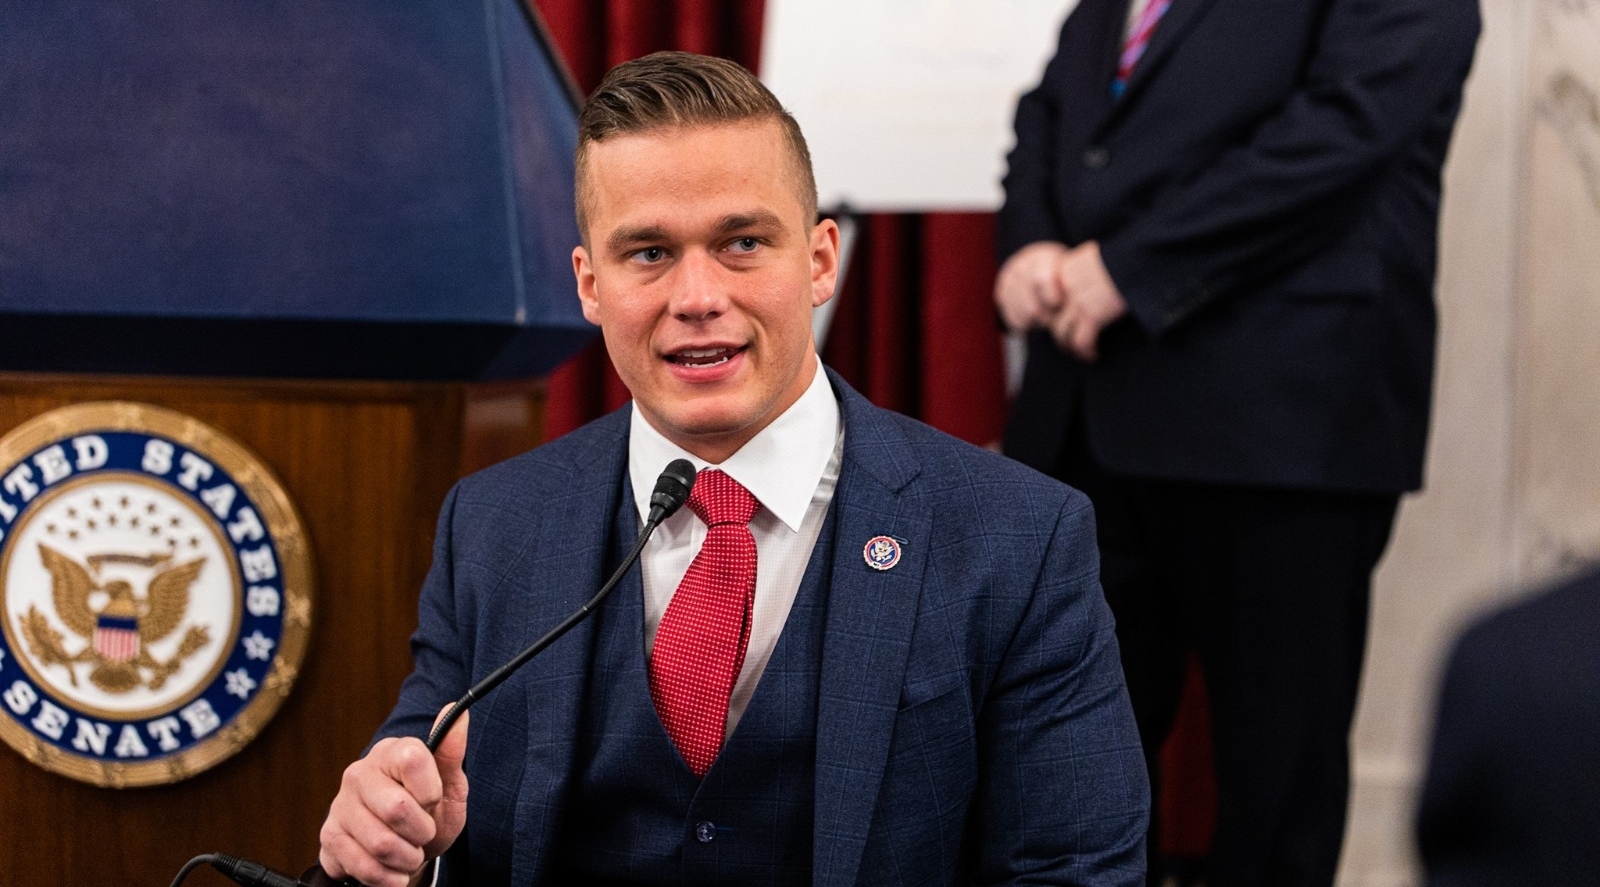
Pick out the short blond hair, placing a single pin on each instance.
(682, 89)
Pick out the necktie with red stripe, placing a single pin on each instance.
(1138, 41)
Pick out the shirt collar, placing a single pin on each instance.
(781, 466)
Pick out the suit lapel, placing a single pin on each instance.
(563, 570)
(1108, 20)
(870, 617)
(1179, 18)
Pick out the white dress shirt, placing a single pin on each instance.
(791, 467)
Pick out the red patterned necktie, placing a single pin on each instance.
(700, 645)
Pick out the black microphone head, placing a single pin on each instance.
(672, 489)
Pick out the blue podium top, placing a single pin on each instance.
(363, 188)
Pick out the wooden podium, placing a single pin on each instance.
(367, 464)
(336, 234)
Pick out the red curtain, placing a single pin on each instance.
(914, 329)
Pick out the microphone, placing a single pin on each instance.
(671, 491)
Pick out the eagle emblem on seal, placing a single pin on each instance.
(115, 623)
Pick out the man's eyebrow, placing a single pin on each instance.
(629, 236)
(623, 238)
(757, 218)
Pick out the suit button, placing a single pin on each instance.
(705, 832)
(1096, 158)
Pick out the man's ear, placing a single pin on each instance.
(583, 270)
(824, 261)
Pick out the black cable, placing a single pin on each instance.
(191, 865)
(251, 874)
(241, 871)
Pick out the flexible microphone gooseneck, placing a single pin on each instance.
(671, 491)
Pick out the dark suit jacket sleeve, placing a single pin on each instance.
(440, 645)
(1062, 796)
(439, 675)
(1030, 212)
(1379, 73)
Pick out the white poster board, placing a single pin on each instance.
(907, 105)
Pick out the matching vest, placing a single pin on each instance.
(636, 813)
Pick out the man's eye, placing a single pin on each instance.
(746, 244)
(650, 254)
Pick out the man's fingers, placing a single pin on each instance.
(396, 808)
(400, 810)
(1082, 340)
(453, 749)
(1047, 288)
(1061, 327)
(1026, 289)
(412, 768)
(363, 870)
(1076, 333)
(345, 855)
(1017, 300)
(453, 794)
(450, 813)
(366, 848)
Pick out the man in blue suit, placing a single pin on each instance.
(1220, 232)
(925, 687)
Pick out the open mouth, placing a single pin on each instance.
(703, 357)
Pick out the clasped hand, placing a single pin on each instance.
(397, 808)
(1066, 290)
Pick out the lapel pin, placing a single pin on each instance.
(881, 553)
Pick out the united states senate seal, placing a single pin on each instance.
(155, 594)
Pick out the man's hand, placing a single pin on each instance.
(397, 808)
(1091, 301)
(1028, 289)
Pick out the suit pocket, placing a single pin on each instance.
(929, 689)
(934, 751)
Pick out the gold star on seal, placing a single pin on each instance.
(280, 680)
(298, 610)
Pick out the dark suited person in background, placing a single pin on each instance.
(1220, 230)
(1512, 795)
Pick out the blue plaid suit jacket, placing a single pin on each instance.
(973, 726)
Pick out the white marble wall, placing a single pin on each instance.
(1558, 319)
(1513, 486)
